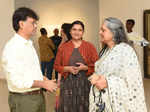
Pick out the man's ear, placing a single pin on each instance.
(21, 24)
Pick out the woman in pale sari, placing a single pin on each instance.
(117, 81)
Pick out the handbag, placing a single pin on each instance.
(100, 104)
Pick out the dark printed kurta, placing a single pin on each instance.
(74, 89)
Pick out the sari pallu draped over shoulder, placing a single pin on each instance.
(125, 91)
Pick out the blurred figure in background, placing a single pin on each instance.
(137, 41)
(65, 32)
(56, 40)
(46, 53)
(65, 35)
(134, 37)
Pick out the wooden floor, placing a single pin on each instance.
(50, 98)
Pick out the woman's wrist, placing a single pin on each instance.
(66, 69)
(85, 67)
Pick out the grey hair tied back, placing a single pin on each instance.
(117, 28)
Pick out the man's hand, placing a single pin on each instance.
(50, 85)
(45, 78)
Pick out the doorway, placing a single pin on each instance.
(147, 48)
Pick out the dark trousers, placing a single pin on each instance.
(26, 103)
(56, 75)
(47, 69)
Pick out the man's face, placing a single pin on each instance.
(129, 25)
(56, 31)
(29, 26)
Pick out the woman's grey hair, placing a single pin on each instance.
(119, 35)
(117, 28)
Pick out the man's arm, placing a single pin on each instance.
(20, 75)
(49, 85)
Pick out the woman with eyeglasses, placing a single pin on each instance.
(117, 84)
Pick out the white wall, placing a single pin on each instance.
(6, 11)
(124, 9)
(55, 12)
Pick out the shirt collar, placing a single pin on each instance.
(22, 39)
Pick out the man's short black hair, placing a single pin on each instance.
(43, 31)
(131, 21)
(21, 14)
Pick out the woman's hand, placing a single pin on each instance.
(75, 70)
(93, 78)
(101, 83)
(72, 69)
(81, 66)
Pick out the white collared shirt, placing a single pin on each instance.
(137, 39)
(21, 64)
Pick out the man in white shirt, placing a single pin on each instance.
(22, 68)
(133, 36)
(138, 41)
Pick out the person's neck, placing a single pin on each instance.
(111, 45)
(44, 35)
(129, 31)
(27, 37)
(76, 43)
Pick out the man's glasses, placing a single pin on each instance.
(32, 22)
